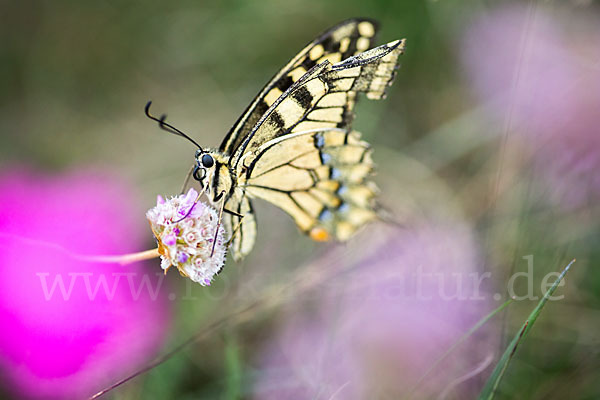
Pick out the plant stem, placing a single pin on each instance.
(122, 259)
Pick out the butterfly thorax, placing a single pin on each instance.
(219, 180)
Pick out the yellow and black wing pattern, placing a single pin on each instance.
(335, 47)
(344, 40)
(320, 179)
(302, 155)
(321, 97)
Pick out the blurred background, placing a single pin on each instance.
(487, 148)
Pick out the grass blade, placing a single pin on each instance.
(489, 390)
(464, 337)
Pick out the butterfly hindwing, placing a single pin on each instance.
(338, 43)
(243, 229)
(318, 178)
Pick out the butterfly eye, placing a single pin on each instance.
(199, 174)
(207, 161)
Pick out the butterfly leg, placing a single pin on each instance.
(221, 208)
(187, 179)
(235, 231)
(233, 213)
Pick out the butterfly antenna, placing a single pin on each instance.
(167, 127)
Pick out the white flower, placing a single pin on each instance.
(185, 232)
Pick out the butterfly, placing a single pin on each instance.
(293, 146)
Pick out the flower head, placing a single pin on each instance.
(185, 230)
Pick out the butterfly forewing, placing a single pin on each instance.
(338, 43)
(313, 102)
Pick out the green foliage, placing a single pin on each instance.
(491, 387)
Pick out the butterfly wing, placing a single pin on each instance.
(242, 229)
(319, 178)
(319, 99)
(338, 43)
(301, 155)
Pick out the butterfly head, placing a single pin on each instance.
(205, 165)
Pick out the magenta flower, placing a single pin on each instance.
(380, 327)
(70, 327)
(542, 76)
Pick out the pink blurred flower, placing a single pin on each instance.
(56, 344)
(379, 327)
(542, 75)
